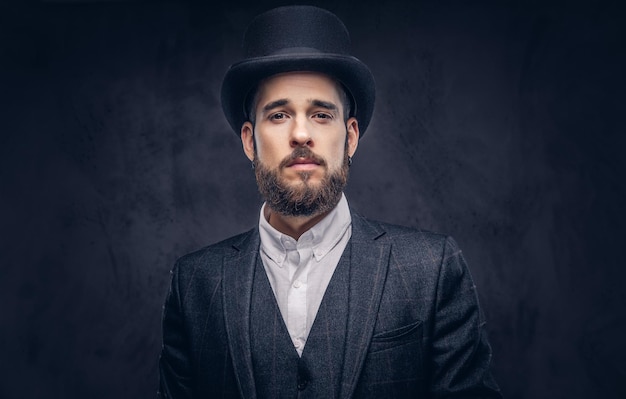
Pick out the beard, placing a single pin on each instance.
(303, 198)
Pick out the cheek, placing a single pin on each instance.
(336, 156)
(269, 155)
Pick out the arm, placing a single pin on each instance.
(461, 352)
(175, 362)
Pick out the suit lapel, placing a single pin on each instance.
(236, 291)
(368, 271)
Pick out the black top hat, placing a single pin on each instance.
(297, 38)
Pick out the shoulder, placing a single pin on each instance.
(428, 250)
(211, 256)
(401, 236)
(424, 256)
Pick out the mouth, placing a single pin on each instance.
(303, 163)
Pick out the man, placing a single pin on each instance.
(317, 301)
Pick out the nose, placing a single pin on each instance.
(300, 135)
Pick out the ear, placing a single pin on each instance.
(352, 127)
(247, 140)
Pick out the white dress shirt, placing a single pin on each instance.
(299, 271)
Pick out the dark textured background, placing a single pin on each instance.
(499, 123)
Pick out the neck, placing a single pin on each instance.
(293, 226)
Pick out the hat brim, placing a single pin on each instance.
(349, 71)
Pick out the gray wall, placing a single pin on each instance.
(499, 123)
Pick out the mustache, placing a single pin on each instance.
(302, 152)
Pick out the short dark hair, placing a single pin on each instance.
(252, 100)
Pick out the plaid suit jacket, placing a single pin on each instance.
(411, 320)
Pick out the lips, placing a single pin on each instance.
(303, 161)
(303, 164)
(302, 158)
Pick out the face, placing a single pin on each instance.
(300, 143)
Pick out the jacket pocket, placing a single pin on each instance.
(393, 367)
(397, 333)
(396, 337)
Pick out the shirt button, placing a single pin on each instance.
(297, 284)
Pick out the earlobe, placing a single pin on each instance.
(247, 140)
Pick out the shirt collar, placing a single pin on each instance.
(321, 238)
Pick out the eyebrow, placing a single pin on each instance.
(324, 104)
(283, 101)
(274, 104)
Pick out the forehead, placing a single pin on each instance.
(294, 85)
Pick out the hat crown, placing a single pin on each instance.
(296, 29)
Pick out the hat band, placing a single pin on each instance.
(297, 50)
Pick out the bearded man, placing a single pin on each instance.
(317, 301)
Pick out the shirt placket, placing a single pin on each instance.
(297, 296)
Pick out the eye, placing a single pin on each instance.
(322, 115)
(277, 116)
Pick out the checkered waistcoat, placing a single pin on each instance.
(278, 370)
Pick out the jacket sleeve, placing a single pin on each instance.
(175, 371)
(461, 354)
